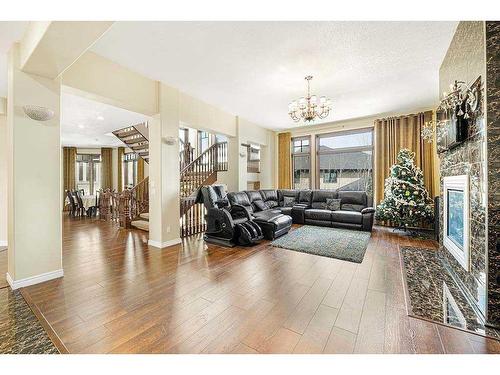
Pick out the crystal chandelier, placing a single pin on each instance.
(310, 107)
(461, 97)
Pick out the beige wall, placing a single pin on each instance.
(34, 157)
(3, 180)
(164, 171)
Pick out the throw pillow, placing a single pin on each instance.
(260, 205)
(288, 201)
(333, 204)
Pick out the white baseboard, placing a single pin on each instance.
(162, 245)
(34, 279)
(3, 243)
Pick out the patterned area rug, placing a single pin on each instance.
(20, 330)
(344, 244)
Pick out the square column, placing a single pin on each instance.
(33, 179)
(164, 173)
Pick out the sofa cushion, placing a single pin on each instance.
(319, 198)
(288, 202)
(351, 217)
(254, 197)
(240, 198)
(287, 193)
(333, 204)
(270, 197)
(305, 197)
(317, 214)
(353, 200)
(286, 210)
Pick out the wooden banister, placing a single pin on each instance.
(133, 202)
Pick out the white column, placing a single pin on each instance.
(164, 223)
(34, 179)
(3, 174)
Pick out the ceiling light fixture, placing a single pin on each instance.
(100, 118)
(310, 107)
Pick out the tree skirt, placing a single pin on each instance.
(344, 244)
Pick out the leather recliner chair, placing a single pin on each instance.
(227, 225)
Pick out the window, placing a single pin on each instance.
(203, 141)
(129, 175)
(344, 160)
(88, 173)
(301, 162)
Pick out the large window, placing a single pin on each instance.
(301, 162)
(344, 160)
(129, 174)
(88, 173)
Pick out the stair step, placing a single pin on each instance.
(145, 216)
(141, 224)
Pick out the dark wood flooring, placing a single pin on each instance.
(120, 296)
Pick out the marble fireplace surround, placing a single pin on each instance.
(465, 61)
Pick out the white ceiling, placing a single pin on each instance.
(87, 123)
(254, 69)
(10, 32)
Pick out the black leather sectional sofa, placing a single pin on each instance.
(309, 207)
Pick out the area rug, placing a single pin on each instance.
(20, 330)
(336, 243)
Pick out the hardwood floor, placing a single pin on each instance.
(120, 296)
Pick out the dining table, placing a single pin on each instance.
(87, 200)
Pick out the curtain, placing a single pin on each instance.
(395, 133)
(284, 161)
(140, 169)
(121, 152)
(106, 168)
(69, 173)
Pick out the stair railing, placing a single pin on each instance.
(193, 175)
(201, 171)
(133, 202)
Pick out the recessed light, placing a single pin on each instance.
(81, 126)
(100, 118)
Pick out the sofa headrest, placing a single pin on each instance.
(288, 193)
(269, 195)
(208, 196)
(239, 197)
(305, 196)
(323, 195)
(353, 200)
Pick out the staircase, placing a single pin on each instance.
(136, 137)
(134, 203)
(201, 171)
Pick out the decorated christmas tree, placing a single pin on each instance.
(406, 202)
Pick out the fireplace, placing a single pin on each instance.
(456, 218)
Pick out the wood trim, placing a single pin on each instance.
(45, 324)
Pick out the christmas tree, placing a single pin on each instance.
(406, 202)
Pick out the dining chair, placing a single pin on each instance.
(73, 206)
(81, 207)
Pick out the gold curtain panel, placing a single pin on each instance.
(140, 169)
(106, 168)
(69, 172)
(284, 162)
(121, 152)
(395, 133)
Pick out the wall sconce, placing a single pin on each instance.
(169, 140)
(38, 113)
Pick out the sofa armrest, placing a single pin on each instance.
(239, 211)
(298, 214)
(367, 221)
